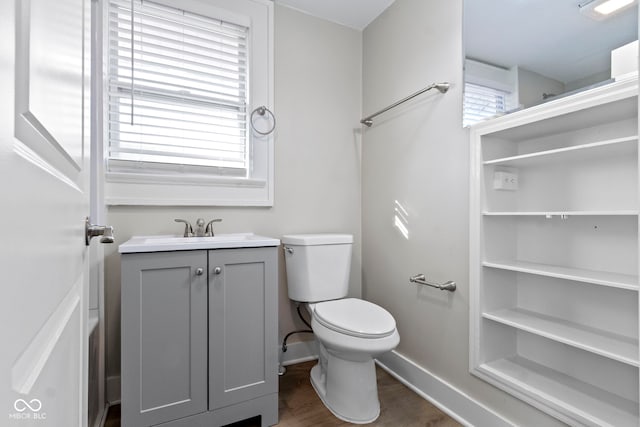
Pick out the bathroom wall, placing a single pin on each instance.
(532, 86)
(318, 80)
(415, 173)
(588, 81)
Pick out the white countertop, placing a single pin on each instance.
(164, 243)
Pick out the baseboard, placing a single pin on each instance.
(113, 390)
(100, 422)
(441, 394)
(298, 352)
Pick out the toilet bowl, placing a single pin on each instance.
(350, 332)
(345, 377)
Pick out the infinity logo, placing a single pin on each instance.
(21, 405)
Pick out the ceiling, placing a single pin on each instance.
(550, 37)
(351, 13)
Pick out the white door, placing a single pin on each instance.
(44, 153)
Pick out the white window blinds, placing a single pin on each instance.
(481, 102)
(177, 91)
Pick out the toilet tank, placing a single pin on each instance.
(317, 265)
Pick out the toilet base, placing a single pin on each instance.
(348, 389)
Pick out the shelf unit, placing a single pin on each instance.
(554, 258)
(604, 278)
(565, 213)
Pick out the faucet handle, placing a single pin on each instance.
(188, 230)
(209, 229)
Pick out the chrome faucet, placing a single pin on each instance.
(209, 229)
(188, 229)
(201, 229)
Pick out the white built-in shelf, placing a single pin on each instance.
(603, 343)
(608, 147)
(621, 212)
(589, 404)
(604, 278)
(576, 159)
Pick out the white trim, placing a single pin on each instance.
(196, 201)
(102, 419)
(299, 352)
(184, 179)
(580, 101)
(452, 401)
(491, 76)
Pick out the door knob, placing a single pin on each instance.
(92, 230)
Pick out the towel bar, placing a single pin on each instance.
(420, 279)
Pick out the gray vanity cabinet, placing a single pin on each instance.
(164, 336)
(199, 349)
(242, 313)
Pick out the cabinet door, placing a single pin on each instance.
(243, 293)
(164, 336)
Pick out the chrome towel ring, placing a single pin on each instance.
(261, 111)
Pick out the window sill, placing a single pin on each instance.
(134, 178)
(130, 189)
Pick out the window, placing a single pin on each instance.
(489, 91)
(481, 102)
(177, 102)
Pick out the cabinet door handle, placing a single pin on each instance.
(199, 271)
(217, 270)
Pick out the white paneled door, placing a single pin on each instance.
(44, 154)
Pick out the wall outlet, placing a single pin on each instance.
(503, 180)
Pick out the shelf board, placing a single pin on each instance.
(615, 280)
(603, 343)
(620, 212)
(592, 405)
(625, 143)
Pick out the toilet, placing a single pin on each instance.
(351, 332)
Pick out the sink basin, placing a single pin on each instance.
(179, 243)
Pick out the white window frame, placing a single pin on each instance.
(495, 103)
(504, 82)
(126, 188)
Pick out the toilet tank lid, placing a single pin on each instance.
(316, 239)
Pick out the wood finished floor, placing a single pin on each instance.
(301, 407)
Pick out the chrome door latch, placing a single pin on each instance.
(92, 230)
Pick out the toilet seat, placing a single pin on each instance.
(355, 317)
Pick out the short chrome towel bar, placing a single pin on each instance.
(442, 88)
(420, 279)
